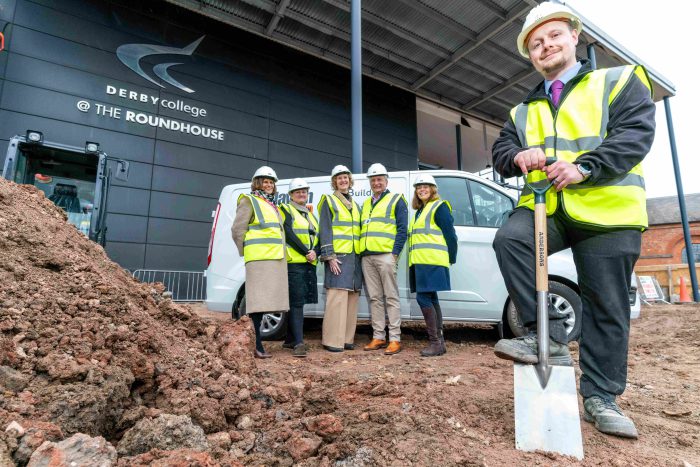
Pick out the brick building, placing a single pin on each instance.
(663, 243)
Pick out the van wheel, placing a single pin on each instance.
(563, 298)
(273, 326)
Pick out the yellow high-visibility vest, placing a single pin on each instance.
(264, 239)
(378, 231)
(301, 227)
(579, 126)
(345, 224)
(426, 243)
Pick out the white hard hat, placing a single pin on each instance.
(340, 169)
(546, 11)
(424, 179)
(266, 172)
(297, 184)
(376, 169)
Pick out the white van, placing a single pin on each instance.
(478, 292)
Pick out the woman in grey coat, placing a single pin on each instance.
(259, 236)
(339, 238)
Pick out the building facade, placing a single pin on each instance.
(191, 103)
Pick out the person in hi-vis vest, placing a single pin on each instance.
(599, 125)
(259, 236)
(301, 233)
(382, 237)
(339, 239)
(432, 248)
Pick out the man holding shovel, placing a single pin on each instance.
(599, 125)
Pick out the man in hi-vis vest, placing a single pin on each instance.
(382, 237)
(599, 125)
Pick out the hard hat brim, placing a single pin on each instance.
(558, 15)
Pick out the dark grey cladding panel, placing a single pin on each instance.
(124, 228)
(7, 9)
(56, 50)
(139, 175)
(185, 207)
(128, 255)
(179, 258)
(307, 117)
(134, 148)
(389, 140)
(222, 91)
(216, 116)
(201, 160)
(60, 78)
(301, 157)
(123, 200)
(389, 158)
(190, 183)
(3, 62)
(178, 232)
(40, 102)
(296, 95)
(213, 60)
(289, 171)
(233, 143)
(308, 138)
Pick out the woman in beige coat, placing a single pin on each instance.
(259, 236)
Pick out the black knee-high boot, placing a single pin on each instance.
(441, 334)
(435, 347)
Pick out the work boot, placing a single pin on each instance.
(441, 335)
(524, 350)
(299, 350)
(608, 417)
(435, 347)
(394, 348)
(376, 344)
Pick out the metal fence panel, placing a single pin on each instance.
(186, 286)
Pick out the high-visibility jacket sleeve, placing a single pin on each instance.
(244, 215)
(401, 213)
(504, 150)
(444, 220)
(325, 231)
(630, 133)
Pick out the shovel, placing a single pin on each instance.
(546, 402)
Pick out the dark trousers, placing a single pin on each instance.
(257, 322)
(295, 326)
(604, 263)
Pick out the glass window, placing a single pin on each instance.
(696, 254)
(455, 191)
(491, 206)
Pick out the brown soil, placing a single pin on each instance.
(84, 348)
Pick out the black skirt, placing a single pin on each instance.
(302, 284)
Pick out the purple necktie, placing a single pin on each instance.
(556, 88)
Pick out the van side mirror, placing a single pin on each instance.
(122, 172)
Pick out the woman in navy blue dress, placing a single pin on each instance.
(432, 249)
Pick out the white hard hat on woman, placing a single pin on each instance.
(266, 172)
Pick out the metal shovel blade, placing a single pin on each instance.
(547, 419)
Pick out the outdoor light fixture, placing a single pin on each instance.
(34, 137)
(91, 147)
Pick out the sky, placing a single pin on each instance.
(663, 36)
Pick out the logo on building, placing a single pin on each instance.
(131, 55)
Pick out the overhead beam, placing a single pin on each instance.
(491, 30)
(277, 16)
(493, 92)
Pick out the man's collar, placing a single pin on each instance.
(565, 77)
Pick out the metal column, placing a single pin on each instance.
(591, 55)
(356, 87)
(458, 132)
(681, 204)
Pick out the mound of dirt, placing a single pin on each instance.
(85, 348)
